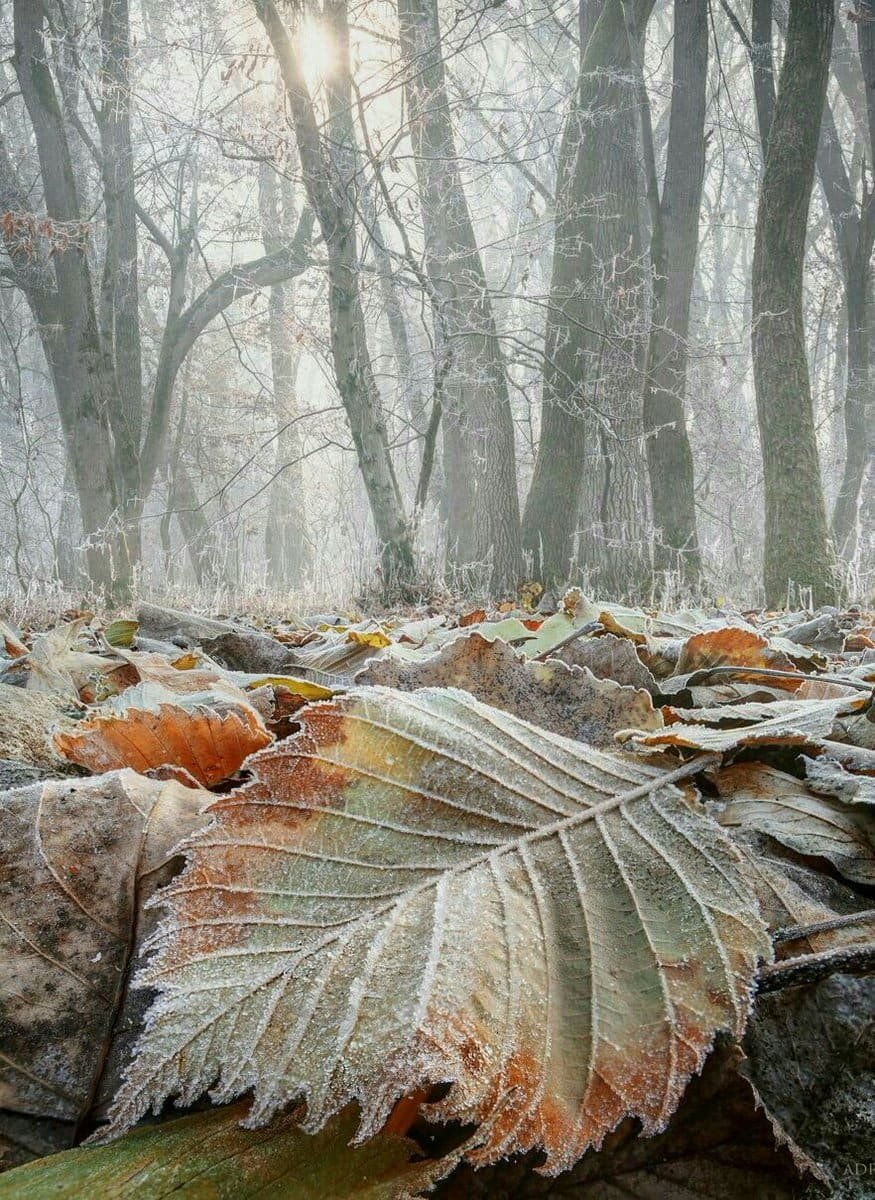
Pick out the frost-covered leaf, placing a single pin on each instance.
(305, 688)
(121, 633)
(61, 661)
(205, 734)
(610, 657)
(566, 700)
(377, 639)
(531, 636)
(732, 646)
(807, 910)
(13, 646)
(209, 1155)
(534, 636)
(793, 723)
(720, 1143)
(638, 625)
(420, 888)
(830, 778)
(26, 721)
(77, 860)
(779, 805)
(180, 675)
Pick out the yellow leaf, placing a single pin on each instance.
(375, 638)
(300, 687)
(186, 662)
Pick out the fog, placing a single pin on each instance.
(303, 302)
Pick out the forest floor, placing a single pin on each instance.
(660, 825)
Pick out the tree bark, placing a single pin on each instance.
(120, 285)
(81, 372)
(673, 255)
(328, 181)
(763, 64)
(589, 455)
(854, 231)
(483, 518)
(797, 550)
(858, 408)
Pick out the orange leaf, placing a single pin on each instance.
(210, 743)
(731, 647)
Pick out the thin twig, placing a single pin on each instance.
(792, 933)
(774, 673)
(811, 968)
(583, 631)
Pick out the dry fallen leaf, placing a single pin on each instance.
(61, 662)
(609, 657)
(781, 806)
(78, 858)
(567, 700)
(721, 1142)
(205, 734)
(420, 888)
(730, 646)
(26, 721)
(809, 1055)
(783, 722)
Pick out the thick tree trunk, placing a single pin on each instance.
(589, 456)
(119, 308)
(673, 252)
(83, 376)
(859, 408)
(854, 230)
(328, 174)
(480, 458)
(797, 546)
(763, 64)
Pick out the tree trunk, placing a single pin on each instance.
(328, 174)
(797, 549)
(590, 456)
(856, 412)
(858, 407)
(84, 380)
(120, 295)
(201, 542)
(763, 65)
(480, 457)
(673, 252)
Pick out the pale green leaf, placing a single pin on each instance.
(420, 888)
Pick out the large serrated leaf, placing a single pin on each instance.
(420, 888)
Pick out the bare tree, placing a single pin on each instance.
(674, 245)
(328, 169)
(797, 544)
(90, 333)
(590, 462)
(483, 520)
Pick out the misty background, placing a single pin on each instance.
(302, 299)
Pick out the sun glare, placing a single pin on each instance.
(317, 50)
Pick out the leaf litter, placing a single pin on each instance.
(535, 862)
